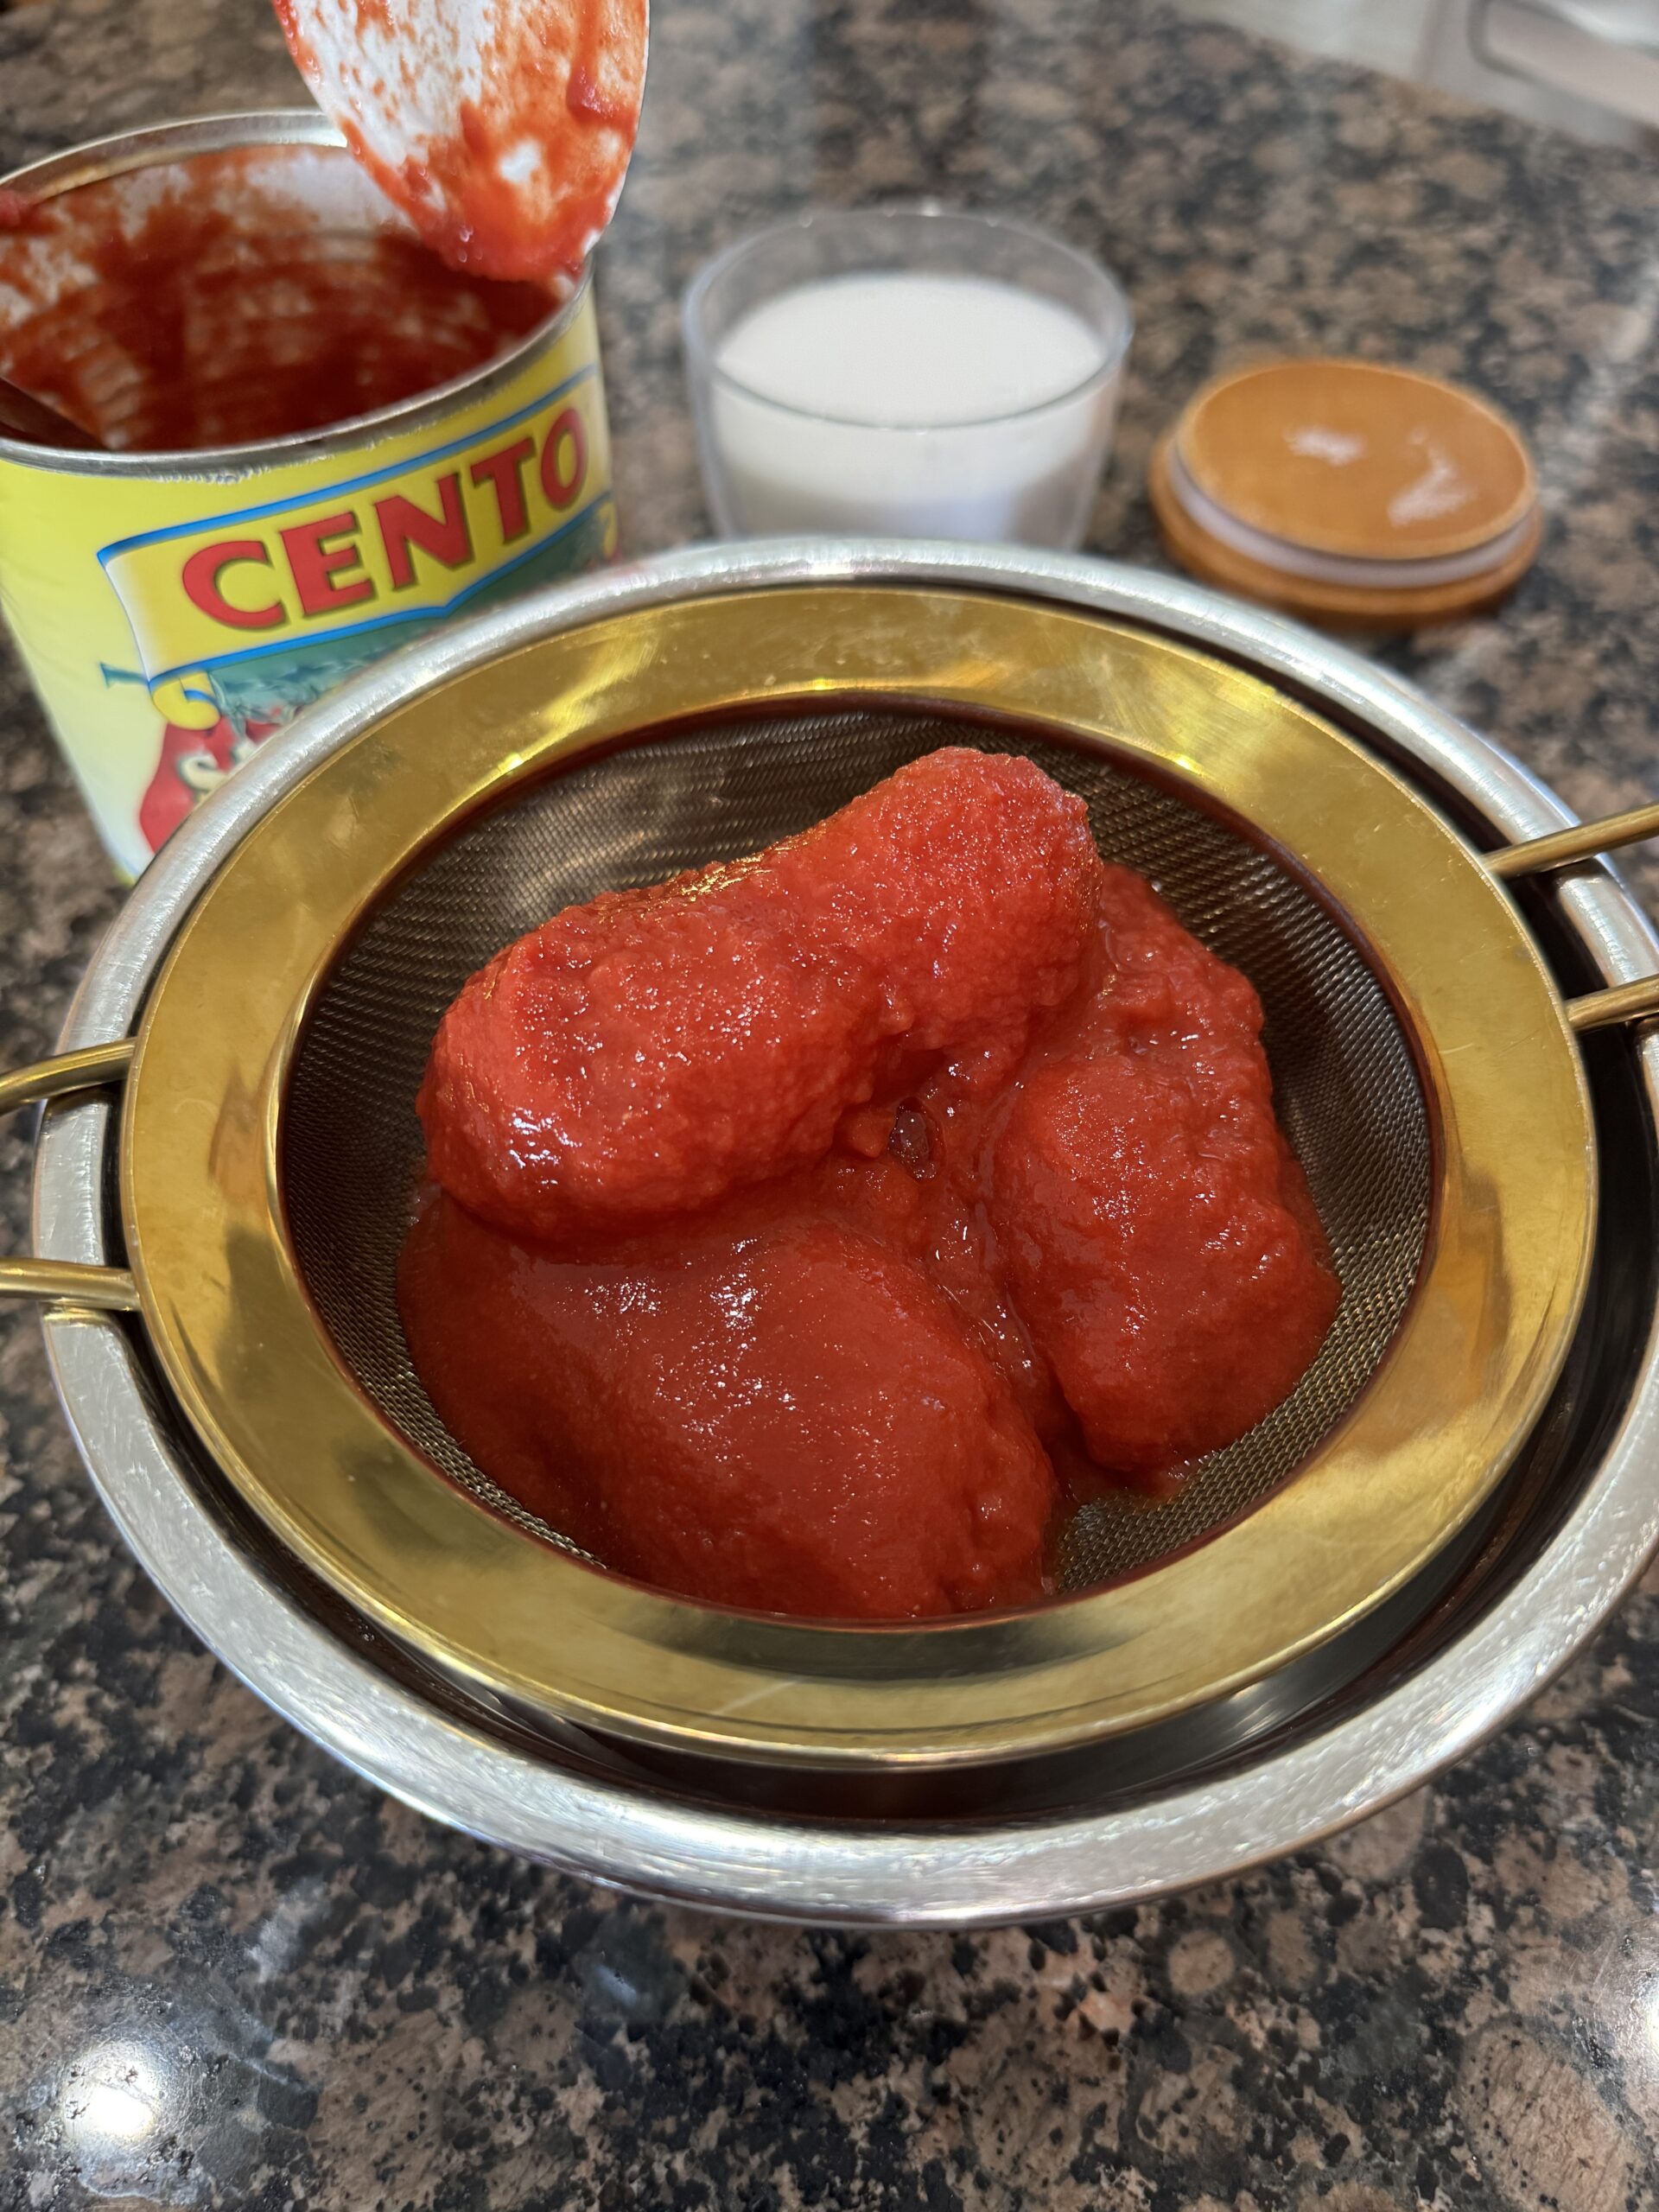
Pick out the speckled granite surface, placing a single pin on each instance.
(231, 1976)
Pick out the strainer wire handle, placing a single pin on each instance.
(68, 1287)
(1586, 840)
(1620, 1003)
(1583, 841)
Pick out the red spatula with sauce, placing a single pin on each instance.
(502, 128)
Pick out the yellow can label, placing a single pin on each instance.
(171, 622)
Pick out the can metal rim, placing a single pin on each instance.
(957, 1875)
(101, 158)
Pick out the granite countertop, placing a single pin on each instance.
(232, 1975)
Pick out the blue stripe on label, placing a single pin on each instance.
(292, 644)
(321, 492)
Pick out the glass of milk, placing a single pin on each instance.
(910, 371)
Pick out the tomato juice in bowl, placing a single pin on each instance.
(321, 440)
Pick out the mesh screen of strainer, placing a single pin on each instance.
(1347, 1088)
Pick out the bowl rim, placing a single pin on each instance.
(806, 1870)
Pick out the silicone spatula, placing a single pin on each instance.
(502, 128)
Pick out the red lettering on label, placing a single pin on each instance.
(564, 458)
(504, 472)
(200, 576)
(316, 562)
(445, 536)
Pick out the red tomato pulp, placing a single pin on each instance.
(791, 1223)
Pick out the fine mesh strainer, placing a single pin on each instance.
(1347, 1086)
(1423, 1060)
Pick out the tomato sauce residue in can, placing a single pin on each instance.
(325, 441)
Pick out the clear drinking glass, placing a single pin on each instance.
(1028, 476)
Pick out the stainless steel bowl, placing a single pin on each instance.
(1246, 1777)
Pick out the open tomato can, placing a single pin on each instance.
(420, 443)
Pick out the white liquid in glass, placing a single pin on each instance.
(915, 405)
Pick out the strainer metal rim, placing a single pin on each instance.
(1459, 1390)
(981, 1870)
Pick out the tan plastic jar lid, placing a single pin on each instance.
(1348, 493)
